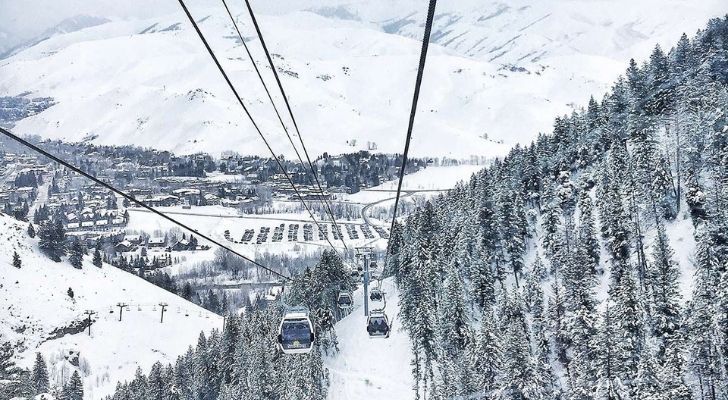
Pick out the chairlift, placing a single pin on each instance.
(344, 301)
(378, 324)
(295, 333)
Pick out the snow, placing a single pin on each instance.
(35, 303)
(682, 241)
(497, 69)
(433, 179)
(368, 368)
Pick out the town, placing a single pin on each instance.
(34, 189)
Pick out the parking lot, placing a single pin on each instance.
(311, 233)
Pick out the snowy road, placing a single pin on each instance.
(370, 368)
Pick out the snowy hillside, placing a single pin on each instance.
(39, 316)
(349, 69)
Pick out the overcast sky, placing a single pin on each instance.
(27, 18)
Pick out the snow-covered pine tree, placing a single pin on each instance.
(39, 376)
(664, 278)
(485, 357)
(73, 390)
(97, 261)
(17, 262)
(75, 255)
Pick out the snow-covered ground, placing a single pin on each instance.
(364, 368)
(35, 303)
(433, 179)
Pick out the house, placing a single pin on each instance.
(156, 242)
(134, 239)
(181, 245)
(162, 200)
(189, 195)
(212, 200)
(124, 247)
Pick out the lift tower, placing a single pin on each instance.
(364, 254)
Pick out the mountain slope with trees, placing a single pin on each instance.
(592, 263)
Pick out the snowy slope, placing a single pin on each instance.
(368, 368)
(349, 70)
(522, 32)
(35, 303)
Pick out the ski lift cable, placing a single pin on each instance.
(134, 200)
(413, 112)
(293, 119)
(320, 195)
(250, 116)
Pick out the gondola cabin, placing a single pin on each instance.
(378, 325)
(295, 333)
(345, 301)
(376, 295)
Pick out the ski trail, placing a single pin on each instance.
(368, 368)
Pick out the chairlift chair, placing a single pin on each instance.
(345, 301)
(295, 333)
(378, 324)
(376, 295)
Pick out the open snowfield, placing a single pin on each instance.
(367, 369)
(35, 303)
(434, 179)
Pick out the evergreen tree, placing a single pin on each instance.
(74, 389)
(521, 377)
(75, 256)
(629, 325)
(664, 278)
(31, 231)
(17, 262)
(40, 374)
(606, 363)
(50, 242)
(485, 357)
(97, 261)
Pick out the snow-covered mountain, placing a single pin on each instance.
(499, 70)
(68, 25)
(38, 315)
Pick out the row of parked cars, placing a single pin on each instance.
(308, 233)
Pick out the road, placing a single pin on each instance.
(365, 209)
(239, 285)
